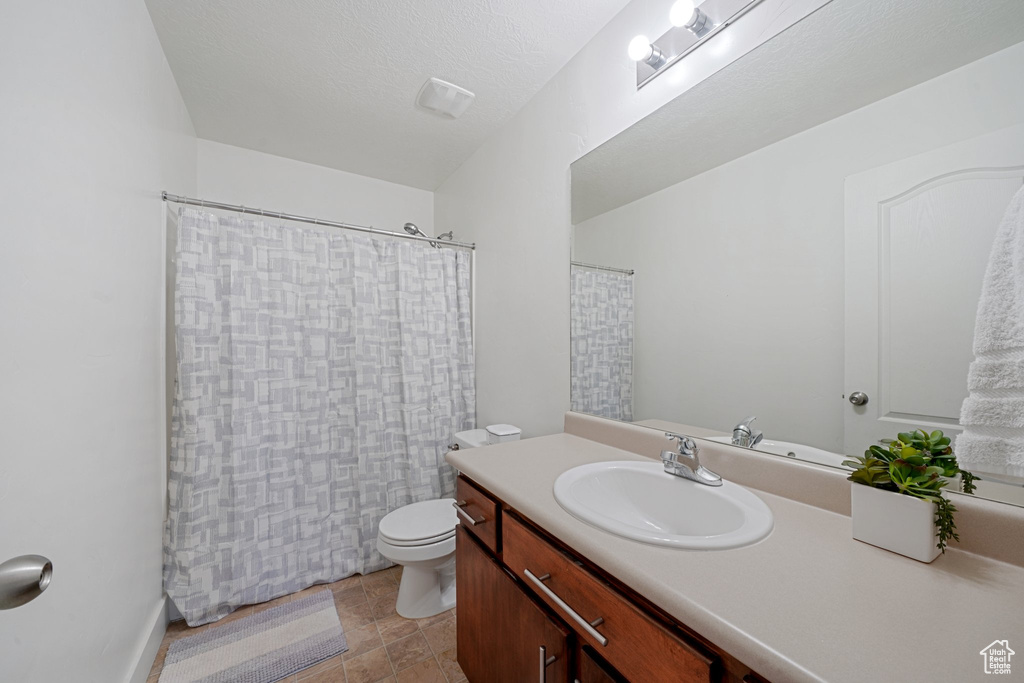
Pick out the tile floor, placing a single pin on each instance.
(382, 645)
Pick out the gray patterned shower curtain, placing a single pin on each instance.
(601, 338)
(320, 378)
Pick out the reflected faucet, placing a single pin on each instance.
(685, 462)
(746, 436)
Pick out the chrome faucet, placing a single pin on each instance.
(685, 463)
(746, 436)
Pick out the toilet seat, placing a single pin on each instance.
(419, 524)
(415, 543)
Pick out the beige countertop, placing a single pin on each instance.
(808, 603)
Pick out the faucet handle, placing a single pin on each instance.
(686, 445)
(745, 424)
(686, 464)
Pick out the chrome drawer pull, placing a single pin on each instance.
(584, 624)
(545, 662)
(465, 515)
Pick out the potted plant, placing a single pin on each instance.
(896, 498)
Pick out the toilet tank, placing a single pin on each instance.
(474, 438)
(471, 438)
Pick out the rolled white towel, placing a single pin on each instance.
(979, 411)
(990, 454)
(995, 374)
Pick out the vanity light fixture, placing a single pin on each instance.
(642, 50)
(684, 14)
(692, 26)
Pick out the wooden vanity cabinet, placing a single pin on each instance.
(503, 635)
(519, 590)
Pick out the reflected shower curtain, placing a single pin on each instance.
(601, 331)
(320, 378)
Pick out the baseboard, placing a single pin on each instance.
(158, 627)
(172, 611)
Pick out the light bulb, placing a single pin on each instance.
(681, 12)
(640, 49)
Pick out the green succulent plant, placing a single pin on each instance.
(917, 464)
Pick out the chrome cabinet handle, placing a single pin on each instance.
(545, 662)
(23, 579)
(465, 515)
(587, 626)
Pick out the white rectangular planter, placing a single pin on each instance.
(902, 524)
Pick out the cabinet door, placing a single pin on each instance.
(592, 670)
(502, 634)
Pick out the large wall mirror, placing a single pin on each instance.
(803, 237)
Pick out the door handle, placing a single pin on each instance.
(459, 507)
(588, 626)
(545, 662)
(23, 579)
(858, 398)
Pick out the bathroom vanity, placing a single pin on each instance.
(550, 615)
(544, 596)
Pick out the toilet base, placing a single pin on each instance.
(426, 589)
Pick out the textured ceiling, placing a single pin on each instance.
(333, 83)
(846, 55)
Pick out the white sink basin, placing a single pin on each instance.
(640, 501)
(797, 451)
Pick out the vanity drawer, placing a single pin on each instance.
(481, 513)
(633, 641)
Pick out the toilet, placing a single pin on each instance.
(421, 538)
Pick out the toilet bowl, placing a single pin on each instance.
(421, 538)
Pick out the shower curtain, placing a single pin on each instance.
(320, 378)
(601, 331)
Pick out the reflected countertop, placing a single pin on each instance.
(675, 427)
(808, 603)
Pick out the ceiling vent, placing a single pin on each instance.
(444, 99)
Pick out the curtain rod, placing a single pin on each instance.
(167, 197)
(625, 271)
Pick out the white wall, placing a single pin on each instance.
(241, 176)
(512, 198)
(92, 127)
(740, 271)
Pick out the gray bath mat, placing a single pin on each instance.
(260, 648)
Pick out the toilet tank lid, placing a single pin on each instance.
(504, 430)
